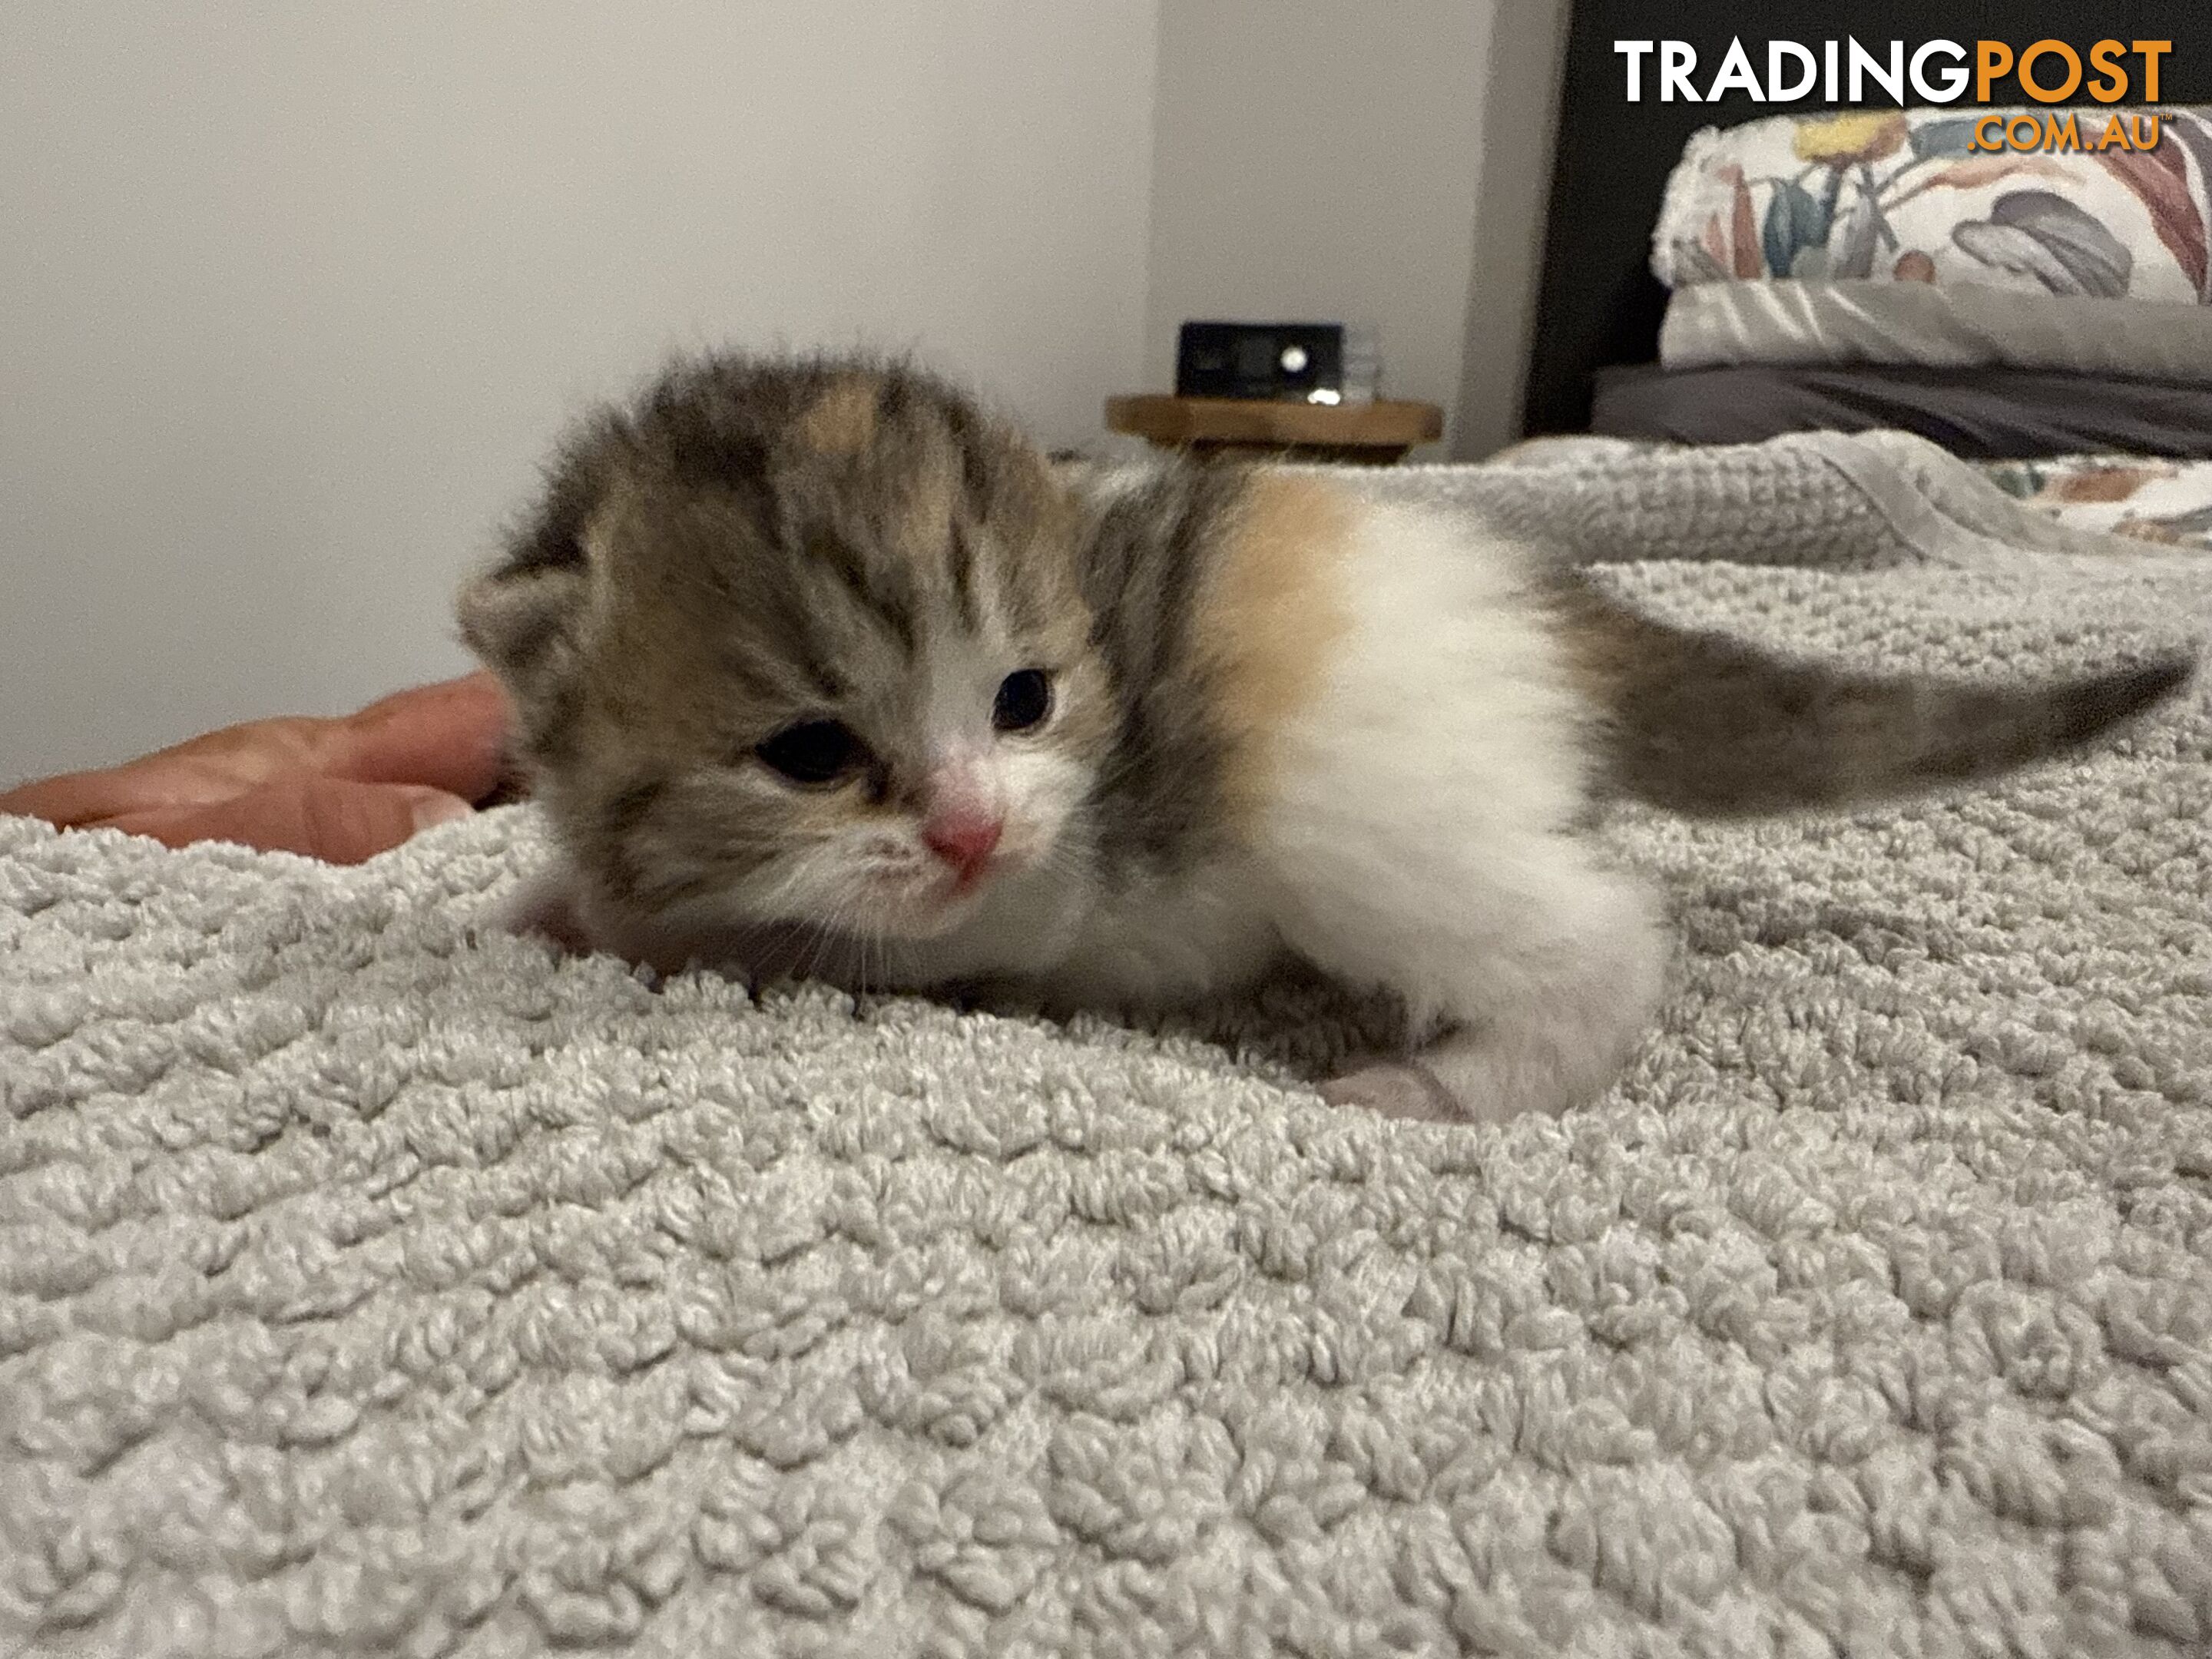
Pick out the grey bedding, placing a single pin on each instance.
(369, 1284)
(1987, 413)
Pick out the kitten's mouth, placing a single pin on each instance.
(922, 920)
(942, 904)
(966, 883)
(957, 890)
(907, 909)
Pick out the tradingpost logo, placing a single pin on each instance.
(1934, 71)
(2038, 134)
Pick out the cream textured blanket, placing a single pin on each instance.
(368, 1285)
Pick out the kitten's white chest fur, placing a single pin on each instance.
(1157, 944)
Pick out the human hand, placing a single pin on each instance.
(341, 789)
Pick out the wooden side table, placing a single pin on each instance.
(1252, 429)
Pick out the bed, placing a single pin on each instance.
(2155, 499)
(2148, 499)
(1719, 273)
(1601, 305)
(372, 1281)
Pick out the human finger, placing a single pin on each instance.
(451, 736)
(150, 783)
(335, 819)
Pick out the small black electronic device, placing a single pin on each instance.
(1297, 362)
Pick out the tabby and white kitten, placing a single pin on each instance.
(820, 668)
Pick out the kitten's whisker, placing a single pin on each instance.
(824, 937)
(873, 940)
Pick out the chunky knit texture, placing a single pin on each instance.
(368, 1285)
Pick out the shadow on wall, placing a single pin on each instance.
(1520, 123)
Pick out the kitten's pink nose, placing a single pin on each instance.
(963, 840)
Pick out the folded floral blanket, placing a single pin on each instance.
(2108, 203)
(2076, 240)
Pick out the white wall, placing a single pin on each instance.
(1520, 115)
(293, 298)
(1345, 160)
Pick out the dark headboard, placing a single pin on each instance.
(1598, 302)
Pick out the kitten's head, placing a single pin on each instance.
(799, 642)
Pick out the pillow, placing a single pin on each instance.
(1902, 237)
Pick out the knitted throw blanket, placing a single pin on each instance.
(368, 1285)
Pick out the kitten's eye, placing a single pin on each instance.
(814, 751)
(1024, 699)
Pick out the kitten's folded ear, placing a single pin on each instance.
(524, 616)
(522, 619)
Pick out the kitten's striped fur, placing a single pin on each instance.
(1283, 719)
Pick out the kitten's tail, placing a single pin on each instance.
(1702, 723)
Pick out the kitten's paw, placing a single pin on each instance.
(545, 909)
(1394, 1088)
